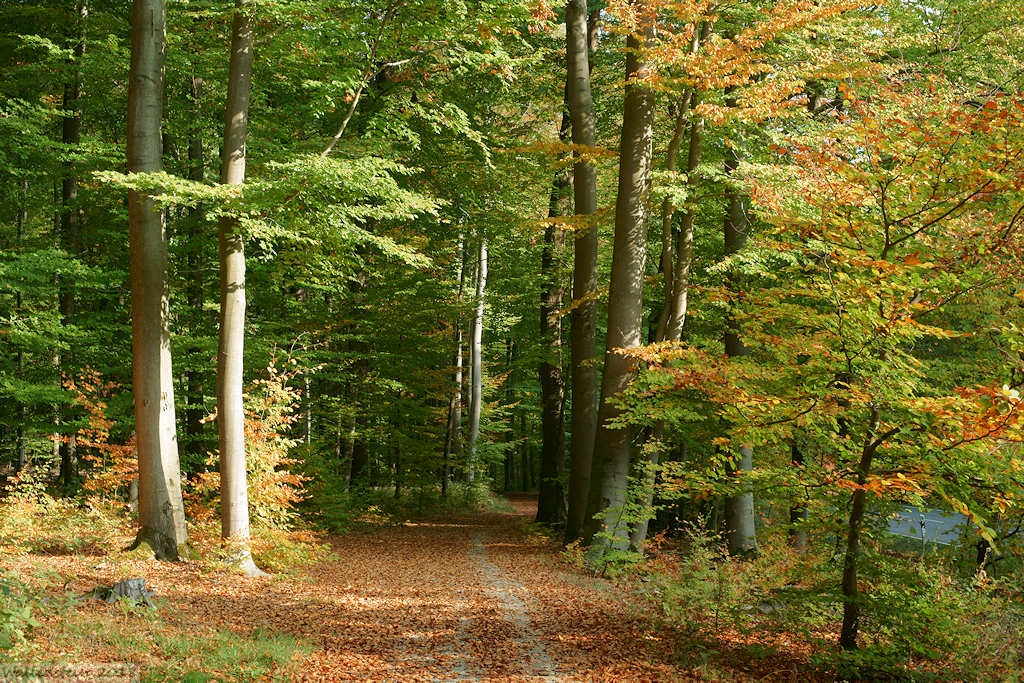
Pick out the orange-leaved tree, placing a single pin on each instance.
(892, 258)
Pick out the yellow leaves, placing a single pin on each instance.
(1011, 395)
(896, 484)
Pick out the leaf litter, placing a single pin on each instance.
(455, 598)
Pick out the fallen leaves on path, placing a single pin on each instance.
(471, 597)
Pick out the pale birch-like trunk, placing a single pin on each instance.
(625, 305)
(453, 439)
(234, 498)
(476, 361)
(584, 279)
(161, 512)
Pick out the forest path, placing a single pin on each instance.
(468, 597)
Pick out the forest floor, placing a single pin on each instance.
(461, 597)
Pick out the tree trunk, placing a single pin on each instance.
(71, 218)
(476, 361)
(676, 260)
(625, 304)
(740, 519)
(20, 444)
(668, 212)
(234, 503)
(453, 440)
(360, 458)
(740, 527)
(584, 278)
(307, 411)
(551, 499)
(161, 513)
(851, 592)
(798, 511)
(683, 248)
(195, 411)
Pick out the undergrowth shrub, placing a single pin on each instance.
(701, 587)
(32, 520)
(279, 551)
(339, 508)
(275, 488)
(17, 605)
(110, 467)
(920, 619)
(923, 622)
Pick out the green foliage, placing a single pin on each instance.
(224, 654)
(702, 590)
(923, 620)
(281, 552)
(17, 604)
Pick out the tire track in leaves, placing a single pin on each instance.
(506, 591)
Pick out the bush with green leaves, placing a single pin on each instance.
(17, 605)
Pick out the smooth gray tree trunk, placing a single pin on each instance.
(584, 279)
(476, 360)
(161, 512)
(453, 440)
(740, 518)
(676, 261)
(234, 497)
(625, 305)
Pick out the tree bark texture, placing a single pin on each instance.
(740, 518)
(625, 304)
(551, 499)
(676, 261)
(683, 248)
(584, 279)
(476, 360)
(230, 411)
(453, 440)
(161, 513)
(851, 592)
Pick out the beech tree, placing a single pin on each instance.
(580, 104)
(234, 498)
(881, 273)
(625, 294)
(550, 497)
(161, 512)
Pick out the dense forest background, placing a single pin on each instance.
(736, 279)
